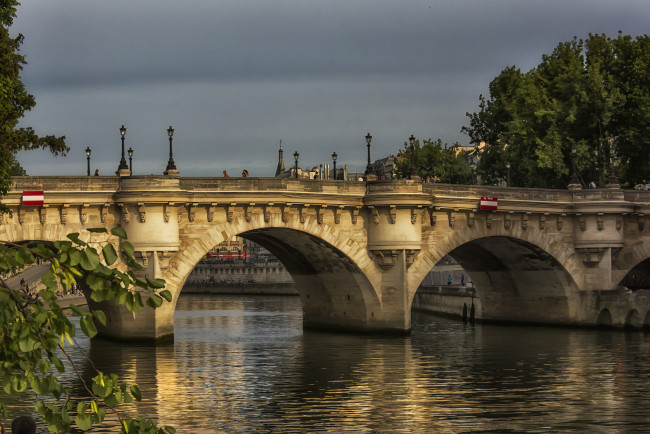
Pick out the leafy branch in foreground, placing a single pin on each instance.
(36, 333)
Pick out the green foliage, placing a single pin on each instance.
(35, 332)
(14, 102)
(434, 161)
(592, 95)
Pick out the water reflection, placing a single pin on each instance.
(244, 364)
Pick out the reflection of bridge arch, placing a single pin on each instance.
(332, 273)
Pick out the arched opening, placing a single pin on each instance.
(333, 291)
(604, 319)
(638, 277)
(509, 280)
(633, 320)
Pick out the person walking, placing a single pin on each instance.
(244, 173)
(225, 174)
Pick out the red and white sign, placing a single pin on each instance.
(489, 203)
(33, 197)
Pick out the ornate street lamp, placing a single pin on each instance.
(130, 151)
(296, 155)
(170, 164)
(88, 158)
(369, 166)
(412, 142)
(122, 167)
(508, 178)
(334, 156)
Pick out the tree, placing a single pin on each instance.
(34, 332)
(434, 161)
(15, 101)
(591, 95)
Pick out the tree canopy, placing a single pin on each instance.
(592, 95)
(15, 101)
(433, 161)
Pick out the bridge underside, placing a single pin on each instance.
(516, 281)
(333, 291)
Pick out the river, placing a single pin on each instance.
(244, 364)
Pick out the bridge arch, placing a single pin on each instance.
(333, 274)
(518, 275)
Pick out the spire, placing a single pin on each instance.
(280, 168)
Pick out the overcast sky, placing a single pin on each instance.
(234, 77)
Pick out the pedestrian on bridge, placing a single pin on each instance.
(225, 174)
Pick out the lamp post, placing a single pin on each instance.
(130, 151)
(412, 142)
(508, 177)
(123, 168)
(296, 155)
(88, 159)
(369, 166)
(334, 156)
(171, 167)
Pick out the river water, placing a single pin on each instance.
(244, 364)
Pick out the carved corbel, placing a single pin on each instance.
(432, 216)
(452, 219)
(103, 212)
(470, 219)
(126, 216)
(524, 220)
(284, 210)
(302, 210)
(591, 256)
(319, 213)
(542, 221)
(354, 215)
(42, 214)
(337, 214)
(64, 213)
(619, 223)
(507, 220)
(560, 221)
(392, 211)
(488, 220)
(229, 211)
(581, 222)
(248, 211)
(641, 221)
(191, 211)
(374, 212)
(599, 221)
(83, 213)
(210, 211)
(21, 215)
(414, 216)
(142, 212)
(266, 211)
(166, 209)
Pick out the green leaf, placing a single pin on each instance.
(78, 310)
(127, 248)
(101, 316)
(156, 283)
(154, 301)
(89, 259)
(88, 326)
(110, 255)
(83, 421)
(119, 232)
(135, 391)
(75, 238)
(97, 230)
(170, 429)
(166, 295)
(75, 257)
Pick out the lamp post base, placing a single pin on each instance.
(123, 172)
(171, 172)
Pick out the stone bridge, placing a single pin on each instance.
(359, 250)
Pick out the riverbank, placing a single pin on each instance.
(241, 288)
